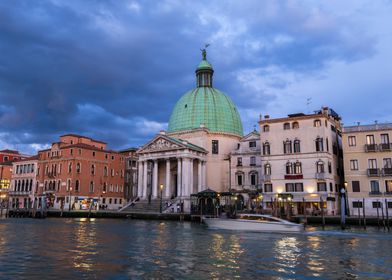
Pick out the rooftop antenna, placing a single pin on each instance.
(308, 102)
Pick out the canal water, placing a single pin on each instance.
(135, 249)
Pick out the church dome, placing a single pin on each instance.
(206, 106)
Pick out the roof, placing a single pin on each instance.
(132, 149)
(28, 159)
(10, 151)
(369, 127)
(204, 64)
(182, 144)
(87, 146)
(205, 106)
(81, 136)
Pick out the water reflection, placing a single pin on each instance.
(86, 243)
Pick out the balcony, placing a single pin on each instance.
(385, 147)
(375, 193)
(293, 176)
(320, 175)
(371, 148)
(388, 193)
(266, 178)
(373, 172)
(387, 172)
(18, 193)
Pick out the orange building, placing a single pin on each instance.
(80, 173)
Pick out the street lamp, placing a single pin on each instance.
(161, 188)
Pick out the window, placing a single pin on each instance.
(329, 167)
(330, 187)
(327, 144)
(389, 204)
(266, 149)
(268, 187)
(267, 169)
(374, 186)
(252, 144)
(297, 168)
(321, 187)
(370, 139)
(91, 189)
(104, 187)
(78, 167)
(110, 201)
(215, 147)
(5, 158)
(71, 151)
(104, 200)
(93, 154)
(299, 187)
(388, 186)
(92, 169)
(289, 168)
(353, 164)
(319, 144)
(376, 204)
(297, 146)
(77, 186)
(294, 187)
(70, 167)
(320, 166)
(112, 157)
(372, 163)
(266, 128)
(295, 125)
(317, 123)
(287, 147)
(253, 178)
(286, 126)
(105, 171)
(387, 163)
(357, 204)
(79, 151)
(68, 185)
(112, 172)
(239, 179)
(352, 141)
(290, 187)
(239, 161)
(384, 139)
(106, 156)
(252, 161)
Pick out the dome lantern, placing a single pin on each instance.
(204, 71)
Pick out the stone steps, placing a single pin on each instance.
(142, 206)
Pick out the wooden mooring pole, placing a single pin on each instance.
(378, 216)
(322, 211)
(387, 214)
(305, 217)
(363, 213)
(382, 215)
(359, 213)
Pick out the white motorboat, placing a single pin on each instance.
(254, 222)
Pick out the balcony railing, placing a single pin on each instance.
(371, 148)
(320, 175)
(388, 193)
(385, 147)
(373, 172)
(387, 171)
(375, 193)
(16, 193)
(266, 178)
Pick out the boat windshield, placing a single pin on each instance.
(259, 218)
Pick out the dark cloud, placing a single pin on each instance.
(113, 70)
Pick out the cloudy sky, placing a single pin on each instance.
(113, 70)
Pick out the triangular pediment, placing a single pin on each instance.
(164, 143)
(254, 135)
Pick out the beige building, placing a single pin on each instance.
(368, 167)
(301, 161)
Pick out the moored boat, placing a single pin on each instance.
(254, 222)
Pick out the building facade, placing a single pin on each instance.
(23, 183)
(80, 173)
(302, 161)
(368, 167)
(131, 173)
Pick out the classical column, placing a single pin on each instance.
(199, 177)
(203, 175)
(155, 180)
(179, 177)
(140, 179)
(167, 187)
(185, 177)
(190, 186)
(145, 165)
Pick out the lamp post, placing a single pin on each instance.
(69, 198)
(161, 188)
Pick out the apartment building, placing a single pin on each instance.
(368, 167)
(81, 173)
(302, 162)
(23, 183)
(131, 173)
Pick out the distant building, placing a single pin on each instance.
(23, 183)
(10, 156)
(131, 173)
(368, 167)
(80, 173)
(302, 161)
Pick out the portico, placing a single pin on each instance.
(176, 164)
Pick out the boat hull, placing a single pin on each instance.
(246, 225)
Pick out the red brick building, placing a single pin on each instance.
(80, 173)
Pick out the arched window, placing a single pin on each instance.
(92, 169)
(297, 146)
(289, 168)
(77, 186)
(253, 178)
(286, 126)
(319, 144)
(105, 171)
(31, 185)
(317, 123)
(69, 185)
(18, 186)
(240, 178)
(104, 187)
(23, 185)
(266, 148)
(297, 168)
(78, 167)
(70, 167)
(287, 147)
(266, 128)
(267, 169)
(320, 166)
(295, 125)
(91, 189)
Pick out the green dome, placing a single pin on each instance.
(208, 106)
(204, 64)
